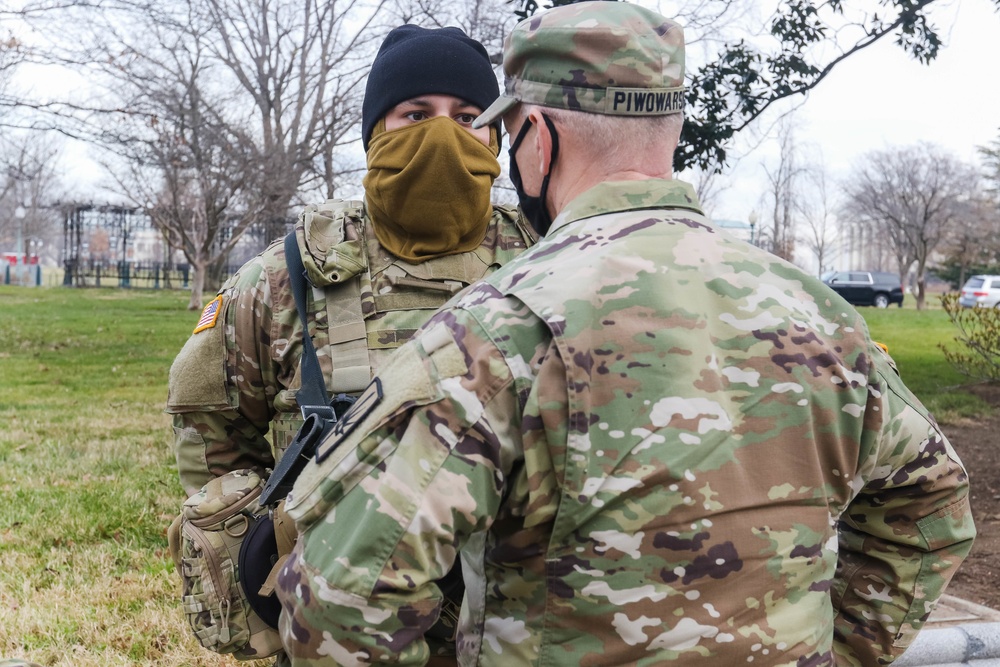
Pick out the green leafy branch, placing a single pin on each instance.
(744, 80)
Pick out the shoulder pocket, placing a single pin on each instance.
(198, 374)
(365, 439)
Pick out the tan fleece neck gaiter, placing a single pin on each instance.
(428, 188)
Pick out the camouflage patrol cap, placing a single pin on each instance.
(599, 57)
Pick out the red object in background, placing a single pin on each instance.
(11, 258)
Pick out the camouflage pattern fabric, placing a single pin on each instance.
(17, 663)
(234, 381)
(215, 521)
(608, 58)
(649, 442)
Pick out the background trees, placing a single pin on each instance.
(178, 153)
(11, 54)
(219, 116)
(973, 245)
(784, 195)
(214, 116)
(752, 71)
(819, 233)
(27, 183)
(914, 196)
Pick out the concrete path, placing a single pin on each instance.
(958, 632)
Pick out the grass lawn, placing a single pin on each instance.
(89, 483)
(913, 337)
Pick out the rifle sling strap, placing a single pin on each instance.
(311, 396)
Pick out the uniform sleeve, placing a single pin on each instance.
(905, 533)
(415, 473)
(221, 386)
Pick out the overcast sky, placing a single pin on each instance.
(881, 97)
(875, 99)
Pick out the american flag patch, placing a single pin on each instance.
(210, 315)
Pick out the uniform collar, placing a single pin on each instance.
(618, 196)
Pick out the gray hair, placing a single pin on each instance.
(619, 140)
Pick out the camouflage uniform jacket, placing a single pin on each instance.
(235, 379)
(648, 441)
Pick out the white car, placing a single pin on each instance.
(982, 291)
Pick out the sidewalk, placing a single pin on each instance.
(957, 633)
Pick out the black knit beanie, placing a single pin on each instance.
(415, 61)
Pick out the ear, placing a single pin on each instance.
(542, 143)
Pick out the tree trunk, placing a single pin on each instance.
(168, 282)
(214, 274)
(197, 285)
(921, 286)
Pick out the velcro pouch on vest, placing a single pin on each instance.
(213, 526)
(429, 285)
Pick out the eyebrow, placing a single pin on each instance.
(423, 102)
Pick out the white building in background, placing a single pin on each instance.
(147, 247)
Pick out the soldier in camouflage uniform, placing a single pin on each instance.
(648, 441)
(378, 268)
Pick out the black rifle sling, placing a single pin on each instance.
(311, 396)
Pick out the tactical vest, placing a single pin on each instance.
(376, 301)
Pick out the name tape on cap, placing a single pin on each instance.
(644, 101)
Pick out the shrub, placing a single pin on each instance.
(978, 353)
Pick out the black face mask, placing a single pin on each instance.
(533, 207)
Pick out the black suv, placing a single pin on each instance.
(866, 288)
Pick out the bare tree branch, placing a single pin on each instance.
(913, 196)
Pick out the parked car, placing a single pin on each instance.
(981, 291)
(866, 288)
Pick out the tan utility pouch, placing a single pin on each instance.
(205, 543)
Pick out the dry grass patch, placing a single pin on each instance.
(90, 483)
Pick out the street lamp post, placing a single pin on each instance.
(19, 214)
(753, 224)
(35, 245)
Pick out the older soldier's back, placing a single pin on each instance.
(649, 441)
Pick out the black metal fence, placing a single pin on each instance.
(154, 275)
(114, 246)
